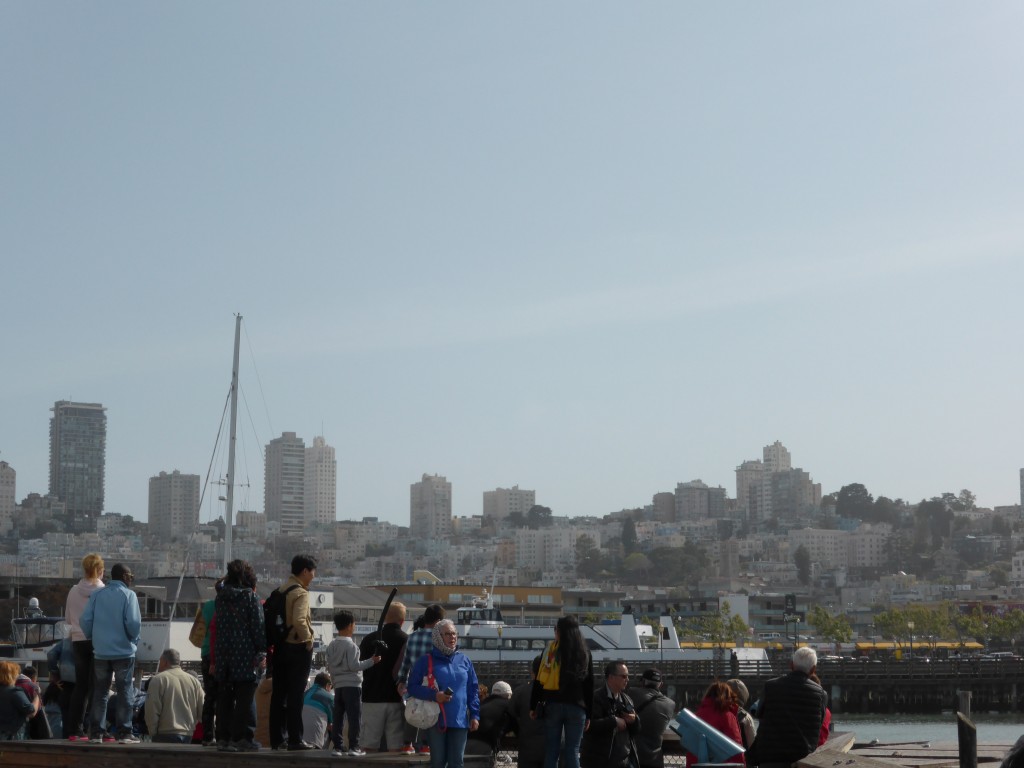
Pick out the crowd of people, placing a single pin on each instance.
(256, 661)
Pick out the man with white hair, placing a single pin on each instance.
(790, 716)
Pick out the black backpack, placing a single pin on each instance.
(274, 620)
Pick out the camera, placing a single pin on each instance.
(448, 691)
(619, 709)
(379, 647)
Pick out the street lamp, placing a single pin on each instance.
(910, 626)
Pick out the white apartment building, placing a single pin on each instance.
(173, 505)
(502, 502)
(284, 488)
(321, 491)
(826, 547)
(546, 549)
(430, 508)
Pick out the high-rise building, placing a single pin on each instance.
(8, 479)
(78, 448)
(1022, 489)
(776, 459)
(502, 502)
(321, 483)
(430, 508)
(696, 500)
(664, 505)
(173, 505)
(793, 493)
(748, 488)
(284, 484)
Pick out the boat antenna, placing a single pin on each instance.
(232, 439)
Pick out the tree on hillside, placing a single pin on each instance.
(589, 562)
(539, 517)
(628, 537)
(802, 559)
(854, 501)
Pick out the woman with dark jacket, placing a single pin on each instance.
(455, 689)
(239, 653)
(563, 693)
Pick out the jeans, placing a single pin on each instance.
(291, 673)
(347, 701)
(447, 747)
(122, 671)
(558, 716)
(75, 725)
(234, 710)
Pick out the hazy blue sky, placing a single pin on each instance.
(591, 248)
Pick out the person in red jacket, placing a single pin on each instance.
(718, 709)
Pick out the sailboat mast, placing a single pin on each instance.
(229, 505)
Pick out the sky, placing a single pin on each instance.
(594, 249)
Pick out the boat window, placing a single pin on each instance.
(523, 645)
(491, 643)
(538, 645)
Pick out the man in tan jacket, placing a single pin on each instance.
(291, 663)
(174, 701)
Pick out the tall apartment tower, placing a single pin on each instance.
(284, 484)
(321, 483)
(8, 478)
(1022, 489)
(502, 502)
(749, 476)
(430, 508)
(173, 505)
(776, 459)
(78, 449)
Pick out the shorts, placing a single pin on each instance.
(385, 719)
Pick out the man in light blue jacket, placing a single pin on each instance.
(113, 623)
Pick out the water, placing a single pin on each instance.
(992, 728)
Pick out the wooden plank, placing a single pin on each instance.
(63, 754)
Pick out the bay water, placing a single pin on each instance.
(992, 728)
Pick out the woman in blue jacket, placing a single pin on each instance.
(460, 709)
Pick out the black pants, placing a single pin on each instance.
(74, 725)
(291, 673)
(210, 689)
(234, 710)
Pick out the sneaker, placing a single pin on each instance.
(339, 753)
(424, 750)
(408, 749)
(78, 737)
(357, 752)
(300, 747)
(129, 739)
(209, 743)
(222, 746)
(245, 746)
(104, 738)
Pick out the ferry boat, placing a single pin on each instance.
(484, 636)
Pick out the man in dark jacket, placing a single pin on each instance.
(530, 733)
(790, 716)
(494, 721)
(613, 722)
(654, 709)
(383, 713)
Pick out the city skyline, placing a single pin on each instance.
(626, 255)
